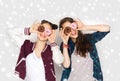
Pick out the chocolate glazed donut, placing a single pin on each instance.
(41, 29)
(67, 30)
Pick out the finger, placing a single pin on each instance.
(69, 34)
(61, 32)
(78, 20)
(36, 21)
(48, 37)
(78, 29)
(53, 32)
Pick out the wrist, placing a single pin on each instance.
(53, 44)
(65, 45)
(27, 31)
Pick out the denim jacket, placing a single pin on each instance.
(93, 39)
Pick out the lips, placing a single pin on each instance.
(73, 33)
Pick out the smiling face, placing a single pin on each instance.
(43, 36)
(74, 32)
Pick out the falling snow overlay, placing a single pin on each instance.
(22, 13)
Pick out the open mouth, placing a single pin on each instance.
(42, 36)
(73, 33)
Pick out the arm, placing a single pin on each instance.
(66, 62)
(100, 27)
(64, 46)
(101, 31)
(34, 27)
(57, 55)
(32, 31)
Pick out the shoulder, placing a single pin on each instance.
(28, 43)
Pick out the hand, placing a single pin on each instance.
(64, 37)
(34, 27)
(81, 25)
(52, 37)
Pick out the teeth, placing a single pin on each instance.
(73, 33)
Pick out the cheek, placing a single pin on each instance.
(38, 36)
(74, 36)
(42, 36)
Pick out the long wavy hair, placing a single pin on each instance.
(82, 44)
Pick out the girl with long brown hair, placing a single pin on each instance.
(81, 61)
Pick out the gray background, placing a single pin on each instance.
(22, 13)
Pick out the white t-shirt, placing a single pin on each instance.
(82, 68)
(34, 68)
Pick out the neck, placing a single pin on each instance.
(40, 45)
(73, 39)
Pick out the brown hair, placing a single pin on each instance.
(54, 26)
(82, 44)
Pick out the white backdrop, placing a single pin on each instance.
(22, 13)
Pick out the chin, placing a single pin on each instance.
(43, 39)
(73, 36)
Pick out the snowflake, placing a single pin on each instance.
(85, 9)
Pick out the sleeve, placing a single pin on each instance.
(97, 36)
(20, 70)
(57, 55)
(61, 48)
(27, 31)
(30, 36)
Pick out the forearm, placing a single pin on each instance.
(101, 28)
(57, 55)
(33, 30)
(66, 62)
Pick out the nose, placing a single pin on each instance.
(72, 31)
(43, 33)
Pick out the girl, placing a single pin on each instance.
(35, 62)
(81, 61)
